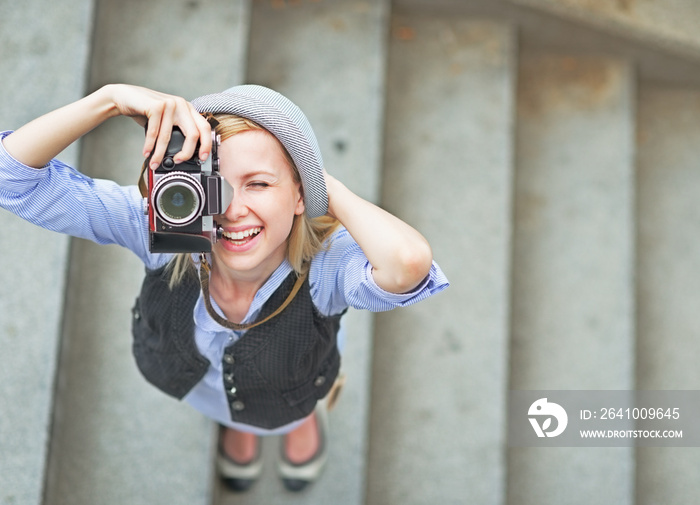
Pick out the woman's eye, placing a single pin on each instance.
(259, 184)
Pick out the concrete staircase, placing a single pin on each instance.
(548, 153)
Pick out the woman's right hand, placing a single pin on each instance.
(41, 140)
(161, 112)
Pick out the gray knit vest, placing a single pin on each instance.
(273, 375)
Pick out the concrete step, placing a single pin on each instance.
(573, 291)
(116, 439)
(328, 57)
(668, 259)
(33, 283)
(440, 367)
(671, 24)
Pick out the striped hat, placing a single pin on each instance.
(284, 120)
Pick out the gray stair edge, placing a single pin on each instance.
(632, 22)
(573, 269)
(31, 292)
(667, 275)
(117, 439)
(441, 366)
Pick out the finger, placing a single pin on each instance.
(204, 134)
(189, 129)
(165, 128)
(152, 130)
(196, 130)
(141, 120)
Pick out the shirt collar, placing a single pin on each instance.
(204, 321)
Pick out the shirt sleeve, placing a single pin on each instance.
(59, 198)
(341, 277)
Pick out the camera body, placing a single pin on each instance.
(183, 199)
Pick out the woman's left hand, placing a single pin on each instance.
(400, 256)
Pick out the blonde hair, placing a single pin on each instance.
(307, 236)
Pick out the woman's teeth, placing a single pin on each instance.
(242, 235)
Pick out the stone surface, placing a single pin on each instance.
(44, 68)
(668, 275)
(672, 23)
(116, 438)
(440, 373)
(573, 262)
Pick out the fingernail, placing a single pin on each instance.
(154, 166)
(203, 156)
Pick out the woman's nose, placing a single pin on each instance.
(237, 209)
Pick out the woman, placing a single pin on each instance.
(255, 348)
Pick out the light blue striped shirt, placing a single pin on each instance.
(59, 198)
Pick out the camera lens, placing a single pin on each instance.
(177, 202)
(178, 199)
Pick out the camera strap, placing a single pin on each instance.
(142, 184)
(205, 271)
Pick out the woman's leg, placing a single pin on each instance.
(304, 451)
(302, 444)
(239, 446)
(239, 460)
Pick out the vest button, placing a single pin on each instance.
(228, 358)
(228, 377)
(238, 405)
(320, 381)
(232, 391)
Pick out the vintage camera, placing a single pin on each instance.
(183, 199)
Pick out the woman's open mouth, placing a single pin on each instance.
(241, 237)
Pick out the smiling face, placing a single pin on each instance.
(265, 200)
